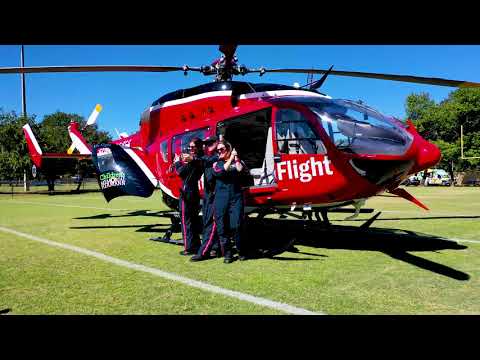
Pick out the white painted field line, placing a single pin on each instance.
(462, 240)
(62, 205)
(170, 276)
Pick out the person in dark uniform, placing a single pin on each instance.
(229, 200)
(210, 243)
(190, 169)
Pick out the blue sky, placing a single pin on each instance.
(125, 95)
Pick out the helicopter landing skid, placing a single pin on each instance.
(166, 239)
(174, 227)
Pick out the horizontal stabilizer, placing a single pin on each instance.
(66, 156)
(407, 196)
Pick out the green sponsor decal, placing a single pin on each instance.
(112, 178)
(111, 175)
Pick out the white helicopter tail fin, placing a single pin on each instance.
(78, 141)
(34, 149)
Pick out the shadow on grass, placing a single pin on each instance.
(283, 258)
(274, 236)
(395, 243)
(163, 213)
(150, 228)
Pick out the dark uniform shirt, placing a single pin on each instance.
(228, 181)
(208, 175)
(190, 173)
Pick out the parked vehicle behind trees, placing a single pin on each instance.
(413, 180)
(437, 177)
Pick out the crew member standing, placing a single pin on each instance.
(190, 168)
(210, 243)
(229, 201)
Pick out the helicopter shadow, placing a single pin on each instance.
(162, 213)
(158, 228)
(396, 243)
(272, 237)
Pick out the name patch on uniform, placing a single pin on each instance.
(304, 171)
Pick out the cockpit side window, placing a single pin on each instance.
(294, 134)
(358, 129)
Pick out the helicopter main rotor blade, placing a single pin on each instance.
(92, 68)
(403, 78)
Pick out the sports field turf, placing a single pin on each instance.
(402, 265)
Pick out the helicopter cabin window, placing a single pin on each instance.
(295, 135)
(180, 142)
(356, 128)
(164, 150)
(251, 135)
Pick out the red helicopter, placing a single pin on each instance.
(305, 151)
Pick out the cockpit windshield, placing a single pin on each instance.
(359, 129)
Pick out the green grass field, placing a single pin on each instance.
(400, 266)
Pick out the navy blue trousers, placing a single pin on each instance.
(210, 237)
(229, 215)
(190, 223)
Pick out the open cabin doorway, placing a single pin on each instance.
(251, 135)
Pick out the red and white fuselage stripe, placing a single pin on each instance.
(264, 94)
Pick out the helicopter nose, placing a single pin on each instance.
(428, 155)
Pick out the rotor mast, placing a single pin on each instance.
(226, 66)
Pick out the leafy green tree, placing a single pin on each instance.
(441, 123)
(52, 135)
(54, 132)
(417, 104)
(13, 147)
(471, 146)
(54, 138)
(450, 155)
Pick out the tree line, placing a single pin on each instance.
(52, 136)
(440, 124)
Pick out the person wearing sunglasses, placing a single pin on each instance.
(190, 169)
(229, 200)
(210, 247)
